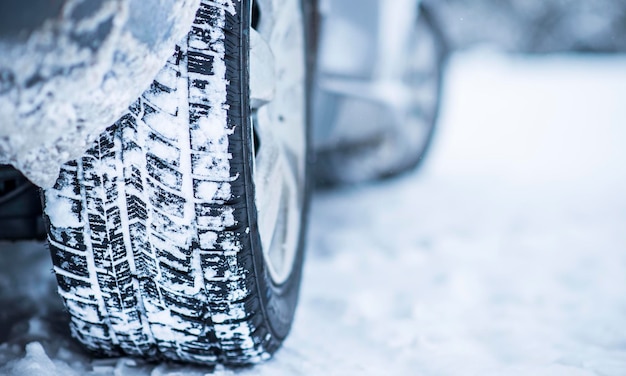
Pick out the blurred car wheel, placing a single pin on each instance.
(382, 121)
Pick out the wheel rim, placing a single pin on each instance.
(277, 85)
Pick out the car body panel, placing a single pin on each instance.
(72, 69)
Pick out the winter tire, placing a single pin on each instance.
(384, 119)
(179, 234)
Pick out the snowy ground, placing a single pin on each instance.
(506, 255)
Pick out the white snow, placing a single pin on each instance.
(61, 212)
(79, 91)
(208, 239)
(505, 255)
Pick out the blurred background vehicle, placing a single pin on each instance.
(379, 79)
(378, 98)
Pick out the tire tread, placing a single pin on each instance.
(153, 265)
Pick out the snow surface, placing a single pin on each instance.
(506, 255)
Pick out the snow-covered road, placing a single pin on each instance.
(505, 255)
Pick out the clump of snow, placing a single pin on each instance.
(61, 211)
(37, 363)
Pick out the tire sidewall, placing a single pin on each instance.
(278, 301)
